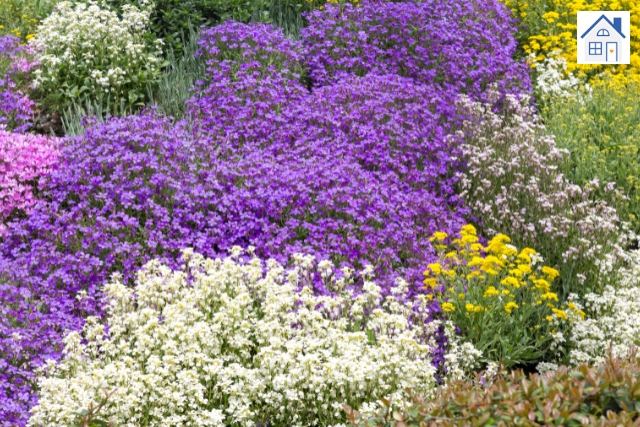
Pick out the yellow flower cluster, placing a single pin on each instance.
(497, 294)
(497, 274)
(552, 25)
(20, 17)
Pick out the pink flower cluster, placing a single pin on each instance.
(24, 159)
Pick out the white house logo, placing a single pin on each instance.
(603, 37)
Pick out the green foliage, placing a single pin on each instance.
(178, 78)
(603, 135)
(171, 19)
(606, 395)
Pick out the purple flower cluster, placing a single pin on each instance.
(461, 46)
(16, 108)
(24, 159)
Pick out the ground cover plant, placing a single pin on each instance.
(371, 168)
(604, 395)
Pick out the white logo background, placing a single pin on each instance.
(603, 43)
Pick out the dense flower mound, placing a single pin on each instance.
(24, 159)
(462, 46)
(236, 43)
(513, 185)
(337, 163)
(227, 341)
(16, 108)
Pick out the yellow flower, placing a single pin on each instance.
(460, 296)
(431, 282)
(506, 292)
(468, 239)
(560, 313)
(491, 292)
(524, 268)
(525, 255)
(510, 281)
(510, 306)
(468, 229)
(542, 285)
(549, 296)
(496, 244)
(448, 307)
(30, 36)
(430, 297)
(474, 274)
(439, 236)
(474, 308)
(551, 273)
(436, 268)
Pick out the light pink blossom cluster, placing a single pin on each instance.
(24, 159)
(514, 185)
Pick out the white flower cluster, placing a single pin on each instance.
(462, 358)
(613, 317)
(514, 185)
(234, 341)
(86, 46)
(553, 81)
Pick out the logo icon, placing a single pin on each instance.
(603, 37)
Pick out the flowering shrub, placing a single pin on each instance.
(513, 185)
(223, 342)
(613, 317)
(501, 299)
(24, 159)
(85, 51)
(461, 46)
(16, 108)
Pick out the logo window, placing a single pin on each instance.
(603, 32)
(595, 48)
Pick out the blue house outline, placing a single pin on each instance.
(618, 30)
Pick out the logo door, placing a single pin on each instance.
(612, 52)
